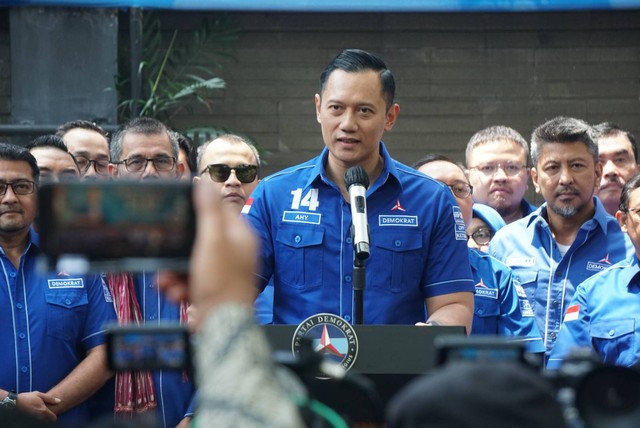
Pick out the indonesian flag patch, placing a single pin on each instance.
(247, 206)
(572, 313)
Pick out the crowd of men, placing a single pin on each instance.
(451, 244)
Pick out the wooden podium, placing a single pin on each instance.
(389, 356)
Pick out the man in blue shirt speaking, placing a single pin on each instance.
(302, 217)
(571, 236)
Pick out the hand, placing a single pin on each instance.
(36, 403)
(223, 261)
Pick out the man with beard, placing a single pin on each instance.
(570, 237)
(496, 159)
(618, 154)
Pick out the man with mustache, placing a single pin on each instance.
(496, 159)
(618, 154)
(571, 236)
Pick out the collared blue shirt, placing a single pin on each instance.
(418, 243)
(49, 323)
(549, 279)
(604, 315)
(173, 390)
(501, 306)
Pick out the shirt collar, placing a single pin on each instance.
(600, 215)
(319, 170)
(629, 273)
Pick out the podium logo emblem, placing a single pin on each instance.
(331, 336)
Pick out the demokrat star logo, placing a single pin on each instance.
(331, 336)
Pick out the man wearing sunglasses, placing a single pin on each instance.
(144, 149)
(89, 144)
(500, 305)
(232, 164)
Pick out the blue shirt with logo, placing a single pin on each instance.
(604, 315)
(49, 323)
(501, 305)
(548, 278)
(418, 243)
(174, 391)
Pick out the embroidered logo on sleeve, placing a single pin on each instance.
(572, 313)
(460, 229)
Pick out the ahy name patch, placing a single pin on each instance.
(301, 217)
(66, 283)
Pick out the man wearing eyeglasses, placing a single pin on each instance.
(144, 149)
(52, 342)
(54, 160)
(496, 159)
(88, 143)
(500, 305)
(570, 237)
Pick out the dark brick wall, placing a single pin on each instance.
(456, 73)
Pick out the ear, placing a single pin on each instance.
(392, 115)
(180, 169)
(596, 183)
(196, 180)
(534, 180)
(622, 220)
(318, 102)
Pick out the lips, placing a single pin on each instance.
(234, 196)
(500, 190)
(611, 185)
(346, 140)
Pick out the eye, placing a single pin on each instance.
(487, 169)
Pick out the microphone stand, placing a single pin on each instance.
(359, 282)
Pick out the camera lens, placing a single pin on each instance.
(609, 397)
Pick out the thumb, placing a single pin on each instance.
(49, 399)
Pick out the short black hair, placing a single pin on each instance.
(357, 60)
(185, 143)
(432, 157)
(82, 124)
(140, 125)
(11, 152)
(610, 129)
(49, 140)
(563, 129)
(630, 186)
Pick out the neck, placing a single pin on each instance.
(14, 245)
(336, 170)
(512, 215)
(565, 229)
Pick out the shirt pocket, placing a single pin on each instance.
(486, 312)
(399, 260)
(299, 257)
(528, 280)
(66, 311)
(614, 340)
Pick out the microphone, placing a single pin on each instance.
(356, 181)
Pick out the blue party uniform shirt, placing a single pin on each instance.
(418, 243)
(548, 278)
(604, 315)
(174, 391)
(49, 322)
(500, 304)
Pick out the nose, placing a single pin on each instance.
(565, 175)
(348, 122)
(609, 169)
(232, 181)
(500, 173)
(91, 172)
(150, 170)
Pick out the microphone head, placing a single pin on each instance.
(356, 175)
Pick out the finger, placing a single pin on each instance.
(48, 398)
